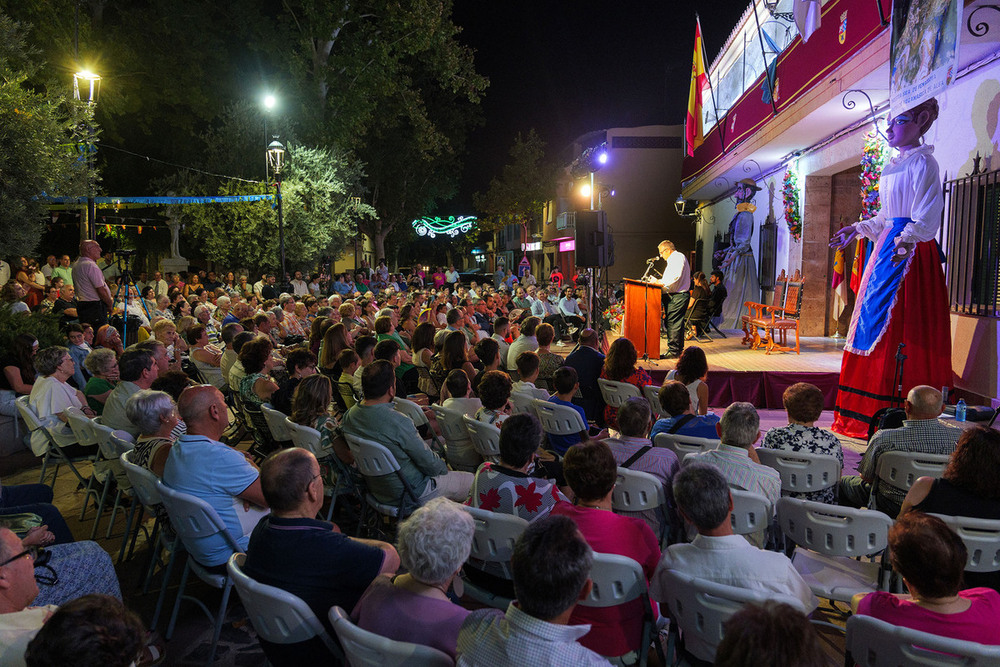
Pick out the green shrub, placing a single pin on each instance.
(43, 327)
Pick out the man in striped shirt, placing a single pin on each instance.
(921, 432)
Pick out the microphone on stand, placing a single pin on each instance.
(653, 259)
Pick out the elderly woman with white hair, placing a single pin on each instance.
(414, 607)
(50, 395)
(155, 415)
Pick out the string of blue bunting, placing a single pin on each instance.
(160, 201)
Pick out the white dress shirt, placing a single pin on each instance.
(677, 274)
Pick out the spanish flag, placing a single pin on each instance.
(693, 130)
(839, 283)
(858, 268)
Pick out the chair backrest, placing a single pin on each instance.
(981, 538)
(367, 649)
(616, 393)
(873, 643)
(778, 300)
(901, 469)
(307, 438)
(485, 437)
(802, 472)
(192, 517)
(751, 512)
(652, 394)
(143, 481)
(119, 445)
(275, 423)
(617, 580)
(104, 434)
(793, 300)
(522, 402)
(372, 459)
(278, 616)
(28, 413)
(496, 533)
(636, 491)
(452, 425)
(832, 530)
(701, 609)
(81, 425)
(424, 374)
(558, 419)
(411, 410)
(682, 445)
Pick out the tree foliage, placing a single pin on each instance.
(525, 184)
(39, 134)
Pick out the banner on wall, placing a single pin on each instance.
(923, 56)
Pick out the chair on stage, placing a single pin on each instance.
(755, 313)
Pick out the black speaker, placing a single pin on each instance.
(594, 243)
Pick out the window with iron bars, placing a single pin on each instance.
(972, 206)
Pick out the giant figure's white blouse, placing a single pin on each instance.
(908, 188)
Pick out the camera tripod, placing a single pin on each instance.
(126, 279)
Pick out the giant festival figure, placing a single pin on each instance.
(902, 297)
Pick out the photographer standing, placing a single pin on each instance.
(93, 296)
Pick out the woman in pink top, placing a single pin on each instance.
(591, 471)
(931, 558)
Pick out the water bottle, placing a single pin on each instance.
(960, 410)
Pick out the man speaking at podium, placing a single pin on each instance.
(675, 283)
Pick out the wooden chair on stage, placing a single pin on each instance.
(779, 326)
(754, 318)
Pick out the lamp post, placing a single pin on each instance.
(269, 102)
(92, 90)
(276, 160)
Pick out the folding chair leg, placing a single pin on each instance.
(86, 496)
(45, 464)
(100, 508)
(177, 603)
(128, 528)
(171, 559)
(114, 513)
(220, 619)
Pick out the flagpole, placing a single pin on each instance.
(763, 56)
(711, 88)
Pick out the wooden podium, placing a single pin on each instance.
(642, 317)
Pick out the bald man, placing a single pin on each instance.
(92, 293)
(200, 465)
(922, 432)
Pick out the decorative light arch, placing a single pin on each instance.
(452, 226)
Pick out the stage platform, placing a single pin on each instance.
(737, 373)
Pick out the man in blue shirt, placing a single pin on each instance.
(200, 465)
(676, 401)
(588, 362)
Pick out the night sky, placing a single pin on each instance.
(566, 69)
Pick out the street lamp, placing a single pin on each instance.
(92, 90)
(269, 102)
(276, 160)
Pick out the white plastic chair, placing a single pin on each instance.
(53, 452)
(492, 546)
(416, 414)
(311, 440)
(829, 538)
(375, 460)
(275, 423)
(111, 444)
(681, 445)
(981, 538)
(367, 649)
(521, 401)
(278, 616)
(652, 394)
(751, 512)
(616, 393)
(637, 491)
(802, 472)
(459, 452)
(558, 419)
(875, 643)
(618, 580)
(485, 438)
(901, 470)
(194, 519)
(701, 609)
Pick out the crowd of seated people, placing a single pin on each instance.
(336, 363)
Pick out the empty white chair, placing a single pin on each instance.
(275, 423)
(367, 649)
(492, 548)
(829, 538)
(802, 472)
(681, 445)
(278, 616)
(701, 609)
(981, 538)
(558, 419)
(875, 643)
(485, 438)
(652, 394)
(460, 452)
(751, 512)
(617, 580)
(901, 470)
(616, 393)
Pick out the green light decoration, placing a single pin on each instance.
(452, 226)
